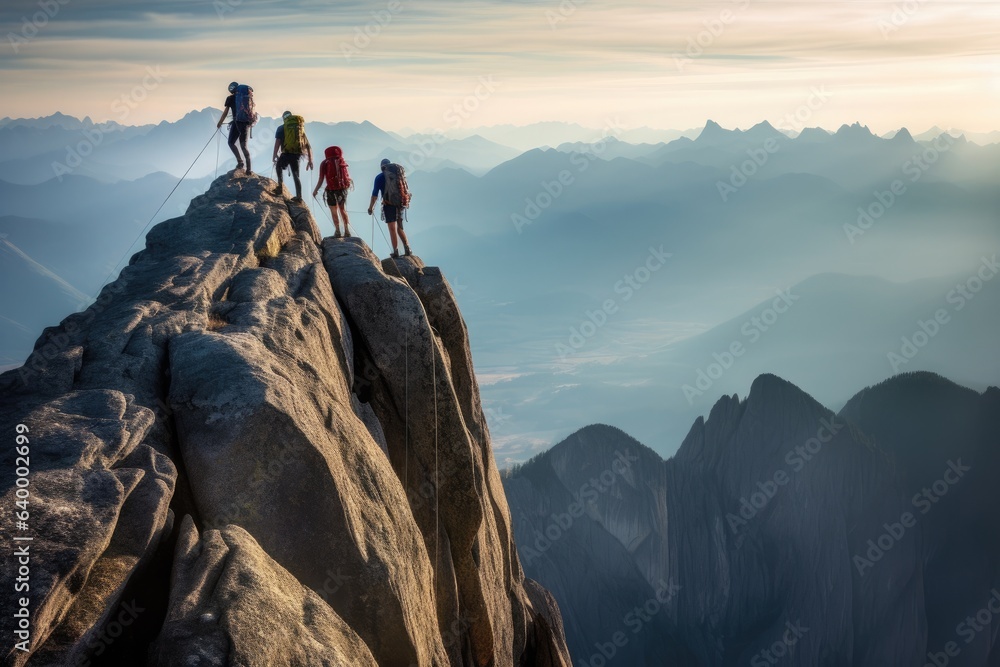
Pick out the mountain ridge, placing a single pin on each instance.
(764, 493)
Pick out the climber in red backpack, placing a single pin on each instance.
(333, 171)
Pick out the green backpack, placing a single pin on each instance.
(295, 135)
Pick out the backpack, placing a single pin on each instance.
(295, 135)
(245, 110)
(397, 193)
(335, 169)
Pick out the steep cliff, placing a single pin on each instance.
(779, 533)
(262, 448)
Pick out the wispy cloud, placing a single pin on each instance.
(936, 64)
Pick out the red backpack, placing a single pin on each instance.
(334, 167)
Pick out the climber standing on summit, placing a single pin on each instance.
(391, 184)
(291, 140)
(334, 173)
(240, 101)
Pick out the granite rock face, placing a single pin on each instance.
(233, 462)
(780, 532)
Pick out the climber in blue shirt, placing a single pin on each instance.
(391, 185)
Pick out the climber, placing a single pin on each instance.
(391, 184)
(333, 171)
(241, 102)
(291, 140)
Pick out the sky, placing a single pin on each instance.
(424, 65)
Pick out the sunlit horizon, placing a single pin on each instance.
(402, 66)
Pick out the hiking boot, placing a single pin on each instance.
(337, 234)
(277, 191)
(407, 251)
(395, 254)
(347, 234)
(239, 165)
(296, 200)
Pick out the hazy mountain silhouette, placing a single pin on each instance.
(736, 231)
(868, 535)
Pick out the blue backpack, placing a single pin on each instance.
(245, 111)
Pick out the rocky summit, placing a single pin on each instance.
(259, 447)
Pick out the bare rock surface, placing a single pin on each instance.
(231, 463)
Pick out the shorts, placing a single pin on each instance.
(336, 197)
(286, 160)
(393, 214)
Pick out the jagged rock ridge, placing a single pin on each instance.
(779, 532)
(312, 416)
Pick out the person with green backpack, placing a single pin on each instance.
(391, 184)
(291, 141)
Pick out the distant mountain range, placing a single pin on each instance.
(539, 240)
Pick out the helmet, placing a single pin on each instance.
(386, 162)
(233, 86)
(286, 115)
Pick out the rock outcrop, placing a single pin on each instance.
(780, 532)
(261, 448)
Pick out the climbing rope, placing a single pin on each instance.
(437, 507)
(388, 243)
(218, 148)
(406, 413)
(160, 208)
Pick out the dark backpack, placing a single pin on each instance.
(295, 135)
(245, 110)
(397, 192)
(338, 176)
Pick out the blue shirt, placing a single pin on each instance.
(379, 185)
